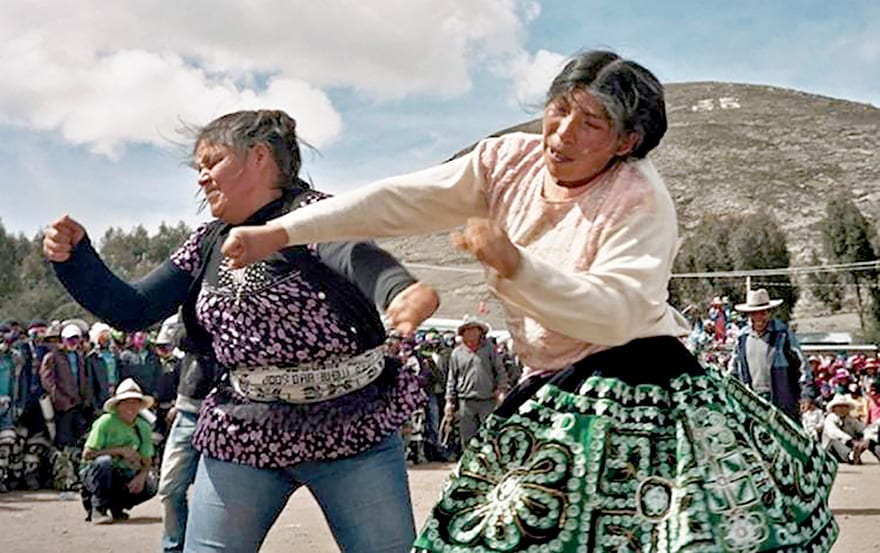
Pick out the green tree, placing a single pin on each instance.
(40, 293)
(847, 238)
(127, 253)
(10, 253)
(827, 287)
(29, 288)
(166, 241)
(757, 242)
(728, 243)
(704, 251)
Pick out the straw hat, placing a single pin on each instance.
(469, 322)
(79, 323)
(96, 331)
(128, 389)
(71, 331)
(841, 399)
(757, 300)
(53, 330)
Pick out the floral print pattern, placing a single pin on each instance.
(273, 314)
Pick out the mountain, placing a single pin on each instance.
(730, 148)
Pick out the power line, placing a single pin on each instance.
(831, 268)
(813, 285)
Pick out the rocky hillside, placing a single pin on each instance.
(730, 148)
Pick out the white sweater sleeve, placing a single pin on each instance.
(431, 200)
(623, 292)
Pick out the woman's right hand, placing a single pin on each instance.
(60, 238)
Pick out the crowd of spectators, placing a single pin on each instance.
(56, 377)
(841, 405)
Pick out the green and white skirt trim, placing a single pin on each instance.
(700, 465)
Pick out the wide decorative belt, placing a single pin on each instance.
(309, 382)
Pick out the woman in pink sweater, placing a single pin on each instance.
(616, 438)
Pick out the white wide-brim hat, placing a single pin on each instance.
(71, 331)
(757, 300)
(841, 399)
(128, 389)
(96, 331)
(81, 324)
(469, 322)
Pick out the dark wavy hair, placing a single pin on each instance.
(632, 95)
(241, 130)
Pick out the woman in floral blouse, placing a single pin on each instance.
(308, 396)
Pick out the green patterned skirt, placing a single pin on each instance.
(690, 462)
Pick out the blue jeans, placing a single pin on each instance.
(179, 463)
(108, 486)
(365, 499)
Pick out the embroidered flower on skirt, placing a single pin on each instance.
(512, 489)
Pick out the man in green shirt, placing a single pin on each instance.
(118, 452)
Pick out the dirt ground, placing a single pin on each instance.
(41, 521)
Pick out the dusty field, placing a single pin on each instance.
(40, 521)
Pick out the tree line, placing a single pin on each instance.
(29, 289)
(756, 241)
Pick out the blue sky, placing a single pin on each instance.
(94, 91)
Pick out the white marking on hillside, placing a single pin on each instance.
(709, 104)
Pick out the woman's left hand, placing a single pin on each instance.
(414, 304)
(490, 245)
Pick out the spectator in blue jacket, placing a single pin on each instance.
(768, 357)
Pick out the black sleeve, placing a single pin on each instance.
(374, 271)
(125, 306)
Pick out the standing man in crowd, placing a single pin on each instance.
(103, 363)
(10, 368)
(768, 357)
(140, 363)
(476, 378)
(64, 376)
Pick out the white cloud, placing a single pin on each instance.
(106, 74)
(532, 75)
(138, 96)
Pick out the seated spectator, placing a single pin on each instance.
(842, 434)
(861, 410)
(874, 403)
(812, 417)
(118, 451)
